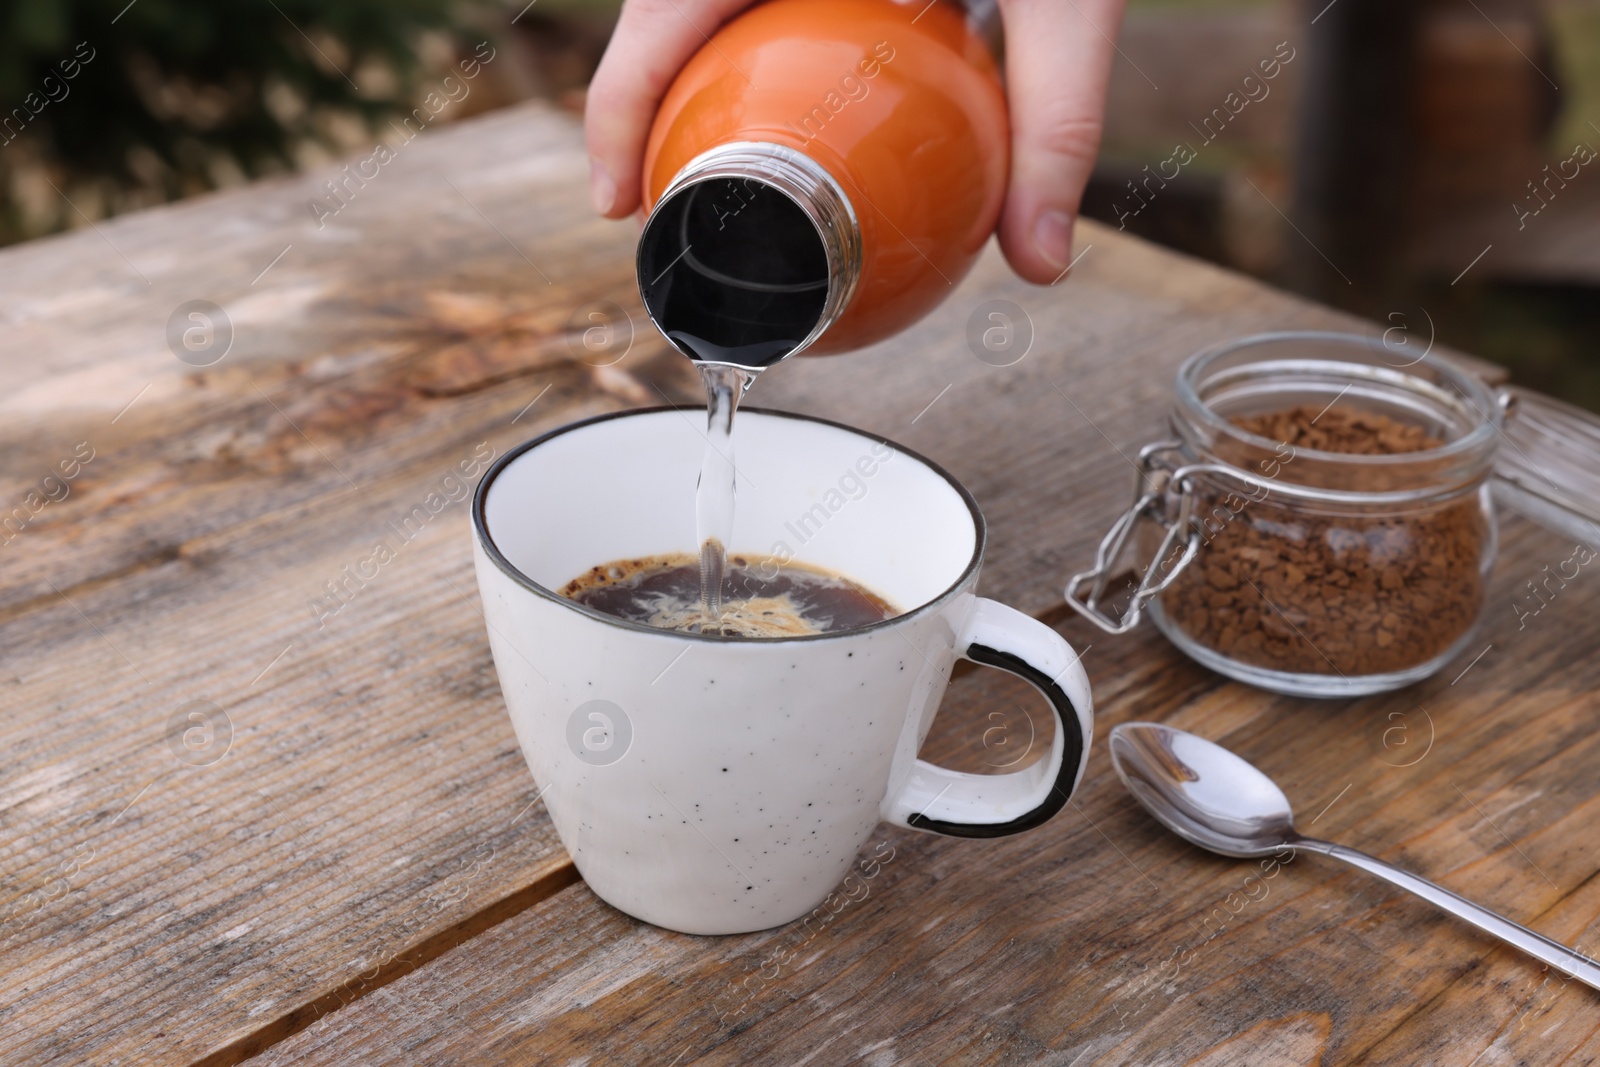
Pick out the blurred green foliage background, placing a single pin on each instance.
(122, 105)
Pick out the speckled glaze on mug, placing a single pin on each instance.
(713, 785)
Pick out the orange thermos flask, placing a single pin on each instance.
(819, 176)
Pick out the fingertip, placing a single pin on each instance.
(629, 197)
(613, 195)
(613, 188)
(602, 188)
(1039, 246)
(1052, 238)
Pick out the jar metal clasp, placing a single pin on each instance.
(1163, 493)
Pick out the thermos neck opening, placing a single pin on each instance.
(749, 255)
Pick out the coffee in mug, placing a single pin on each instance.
(760, 597)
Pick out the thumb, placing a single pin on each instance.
(1058, 59)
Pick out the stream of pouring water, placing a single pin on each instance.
(713, 499)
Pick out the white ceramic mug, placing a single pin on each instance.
(715, 785)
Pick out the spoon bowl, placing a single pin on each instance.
(1201, 791)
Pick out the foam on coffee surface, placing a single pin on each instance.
(762, 598)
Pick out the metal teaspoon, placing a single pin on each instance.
(1212, 798)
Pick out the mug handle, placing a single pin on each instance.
(959, 804)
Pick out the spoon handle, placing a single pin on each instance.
(1572, 964)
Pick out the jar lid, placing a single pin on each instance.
(1549, 467)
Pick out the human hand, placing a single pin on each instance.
(1058, 58)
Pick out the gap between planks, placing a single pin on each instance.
(299, 1018)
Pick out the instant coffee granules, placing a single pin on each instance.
(1288, 586)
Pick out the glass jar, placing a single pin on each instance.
(1334, 573)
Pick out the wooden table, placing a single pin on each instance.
(343, 860)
